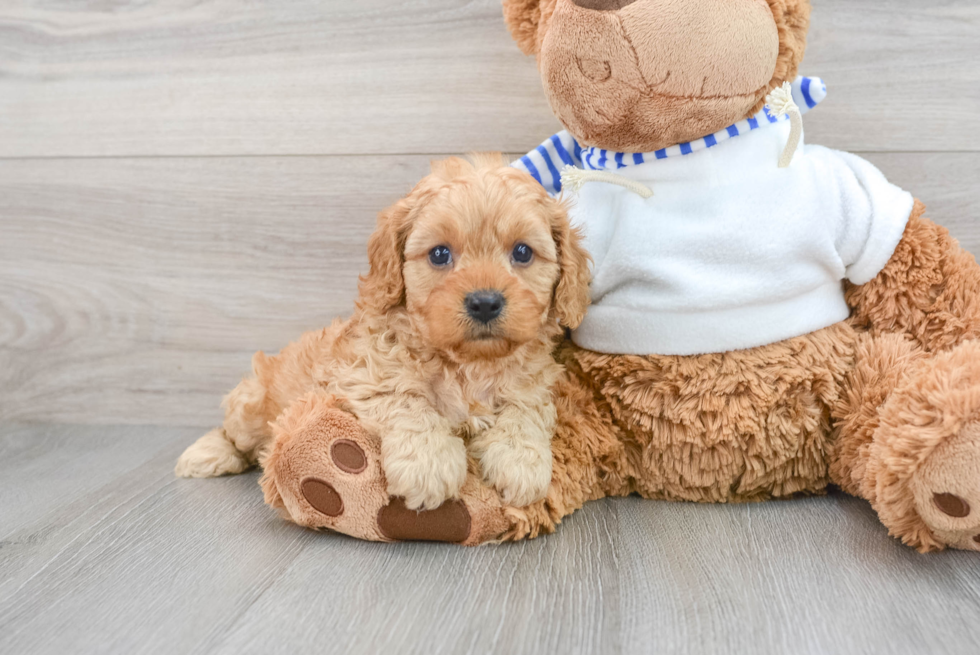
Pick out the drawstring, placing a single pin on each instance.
(780, 102)
(576, 178)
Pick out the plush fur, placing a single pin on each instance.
(413, 366)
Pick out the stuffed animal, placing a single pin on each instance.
(769, 317)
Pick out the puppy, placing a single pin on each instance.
(472, 278)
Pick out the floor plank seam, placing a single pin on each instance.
(355, 155)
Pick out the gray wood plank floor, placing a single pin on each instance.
(183, 182)
(115, 555)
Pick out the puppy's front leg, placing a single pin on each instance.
(423, 460)
(516, 452)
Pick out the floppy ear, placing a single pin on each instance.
(383, 288)
(527, 21)
(572, 291)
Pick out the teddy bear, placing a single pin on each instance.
(769, 317)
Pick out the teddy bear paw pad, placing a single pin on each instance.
(326, 470)
(449, 522)
(322, 497)
(947, 490)
(348, 456)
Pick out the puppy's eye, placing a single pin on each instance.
(522, 254)
(440, 256)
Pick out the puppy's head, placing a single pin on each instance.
(481, 257)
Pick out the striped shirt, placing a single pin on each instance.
(545, 162)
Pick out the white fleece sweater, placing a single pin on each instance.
(732, 252)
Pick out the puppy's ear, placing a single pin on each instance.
(572, 291)
(527, 21)
(383, 288)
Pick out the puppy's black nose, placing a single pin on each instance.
(484, 305)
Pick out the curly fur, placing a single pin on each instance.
(930, 289)
(731, 427)
(428, 384)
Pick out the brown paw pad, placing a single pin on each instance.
(348, 456)
(450, 522)
(951, 505)
(322, 496)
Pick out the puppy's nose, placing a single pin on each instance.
(484, 305)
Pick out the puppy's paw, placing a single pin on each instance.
(426, 476)
(521, 472)
(210, 456)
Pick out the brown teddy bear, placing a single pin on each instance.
(811, 326)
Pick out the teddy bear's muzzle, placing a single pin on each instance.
(637, 74)
(603, 5)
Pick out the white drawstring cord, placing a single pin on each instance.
(780, 102)
(575, 178)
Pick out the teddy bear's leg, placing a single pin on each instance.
(930, 289)
(909, 440)
(324, 471)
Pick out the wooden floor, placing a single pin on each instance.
(183, 182)
(103, 550)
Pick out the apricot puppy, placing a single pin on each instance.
(449, 351)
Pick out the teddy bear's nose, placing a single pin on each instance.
(603, 5)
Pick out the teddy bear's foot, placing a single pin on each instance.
(925, 459)
(324, 471)
(946, 488)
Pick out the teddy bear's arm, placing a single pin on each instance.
(930, 289)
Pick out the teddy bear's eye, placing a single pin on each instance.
(522, 253)
(597, 70)
(440, 256)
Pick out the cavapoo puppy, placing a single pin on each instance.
(449, 351)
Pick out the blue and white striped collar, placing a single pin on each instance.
(544, 162)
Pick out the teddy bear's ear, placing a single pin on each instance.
(527, 20)
(793, 21)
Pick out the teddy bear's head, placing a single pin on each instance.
(640, 75)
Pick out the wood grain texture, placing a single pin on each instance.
(145, 563)
(123, 281)
(423, 76)
(136, 290)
